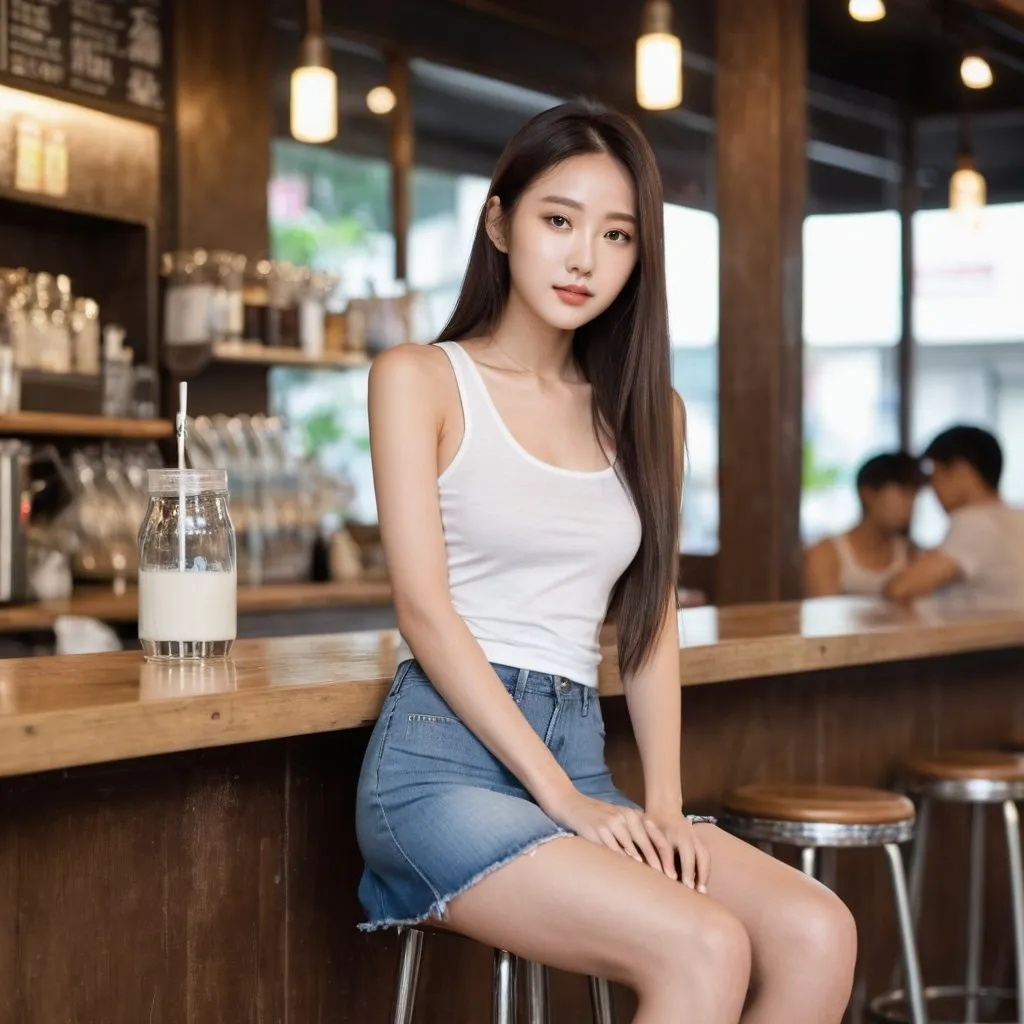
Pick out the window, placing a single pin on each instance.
(969, 322)
(445, 211)
(852, 327)
(691, 270)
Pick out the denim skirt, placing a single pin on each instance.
(436, 812)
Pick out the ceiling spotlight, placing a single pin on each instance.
(867, 10)
(381, 100)
(975, 71)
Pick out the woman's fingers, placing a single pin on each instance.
(703, 858)
(687, 859)
(666, 851)
(642, 840)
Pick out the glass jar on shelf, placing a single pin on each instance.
(188, 298)
(228, 309)
(187, 571)
(85, 335)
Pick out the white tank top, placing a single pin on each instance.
(855, 578)
(533, 550)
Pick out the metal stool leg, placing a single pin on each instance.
(975, 913)
(918, 856)
(503, 1006)
(408, 973)
(911, 968)
(809, 861)
(1011, 819)
(601, 1002)
(915, 881)
(537, 1002)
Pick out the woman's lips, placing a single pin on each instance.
(572, 297)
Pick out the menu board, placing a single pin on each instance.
(107, 49)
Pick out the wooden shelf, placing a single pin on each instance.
(60, 204)
(57, 424)
(255, 354)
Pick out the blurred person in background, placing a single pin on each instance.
(980, 564)
(864, 559)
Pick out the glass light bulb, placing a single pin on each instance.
(659, 71)
(975, 71)
(314, 106)
(381, 100)
(967, 190)
(867, 10)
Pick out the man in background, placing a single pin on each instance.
(980, 564)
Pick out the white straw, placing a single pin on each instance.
(182, 413)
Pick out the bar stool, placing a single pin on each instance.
(503, 1003)
(978, 779)
(820, 818)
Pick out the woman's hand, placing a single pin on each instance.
(621, 829)
(673, 833)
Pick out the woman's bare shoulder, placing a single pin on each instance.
(410, 363)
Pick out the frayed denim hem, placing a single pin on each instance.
(439, 908)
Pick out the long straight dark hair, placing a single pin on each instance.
(623, 353)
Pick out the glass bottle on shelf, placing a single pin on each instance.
(256, 302)
(228, 271)
(188, 308)
(85, 334)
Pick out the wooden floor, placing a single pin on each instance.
(220, 885)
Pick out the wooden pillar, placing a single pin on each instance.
(401, 146)
(223, 71)
(762, 184)
(908, 207)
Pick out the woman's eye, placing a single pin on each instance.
(617, 236)
(557, 221)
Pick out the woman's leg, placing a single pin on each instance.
(578, 906)
(803, 939)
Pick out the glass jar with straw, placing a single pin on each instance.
(187, 571)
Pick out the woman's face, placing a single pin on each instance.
(891, 506)
(572, 241)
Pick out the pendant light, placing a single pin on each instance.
(314, 99)
(867, 10)
(659, 59)
(975, 71)
(967, 189)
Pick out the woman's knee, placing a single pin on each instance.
(709, 947)
(820, 930)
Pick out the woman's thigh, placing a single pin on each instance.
(580, 907)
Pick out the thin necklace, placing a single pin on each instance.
(512, 358)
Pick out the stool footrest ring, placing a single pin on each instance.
(891, 1007)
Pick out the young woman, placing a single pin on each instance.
(864, 559)
(528, 472)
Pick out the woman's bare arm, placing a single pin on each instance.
(821, 571)
(406, 406)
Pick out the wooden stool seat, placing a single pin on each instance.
(825, 805)
(967, 765)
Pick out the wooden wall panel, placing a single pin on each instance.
(222, 54)
(761, 161)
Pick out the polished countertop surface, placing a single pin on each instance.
(102, 603)
(64, 711)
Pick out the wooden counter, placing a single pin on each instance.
(60, 712)
(218, 880)
(104, 604)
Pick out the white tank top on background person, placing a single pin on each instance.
(854, 578)
(533, 550)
